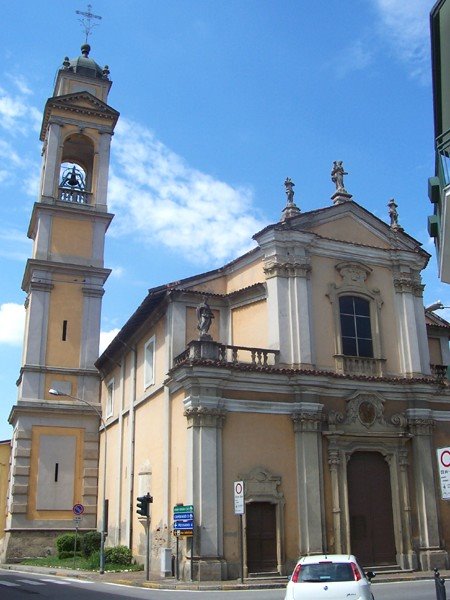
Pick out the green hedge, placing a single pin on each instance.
(119, 555)
(90, 542)
(66, 544)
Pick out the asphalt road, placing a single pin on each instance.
(16, 585)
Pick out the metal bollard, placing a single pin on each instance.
(439, 583)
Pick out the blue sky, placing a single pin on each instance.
(220, 101)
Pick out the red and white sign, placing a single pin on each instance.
(443, 456)
(239, 500)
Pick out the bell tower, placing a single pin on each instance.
(56, 439)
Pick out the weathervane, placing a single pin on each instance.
(86, 22)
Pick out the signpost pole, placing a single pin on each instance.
(241, 546)
(148, 550)
(239, 509)
(75, 544)
(177, 562)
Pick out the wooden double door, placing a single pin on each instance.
(370, 509)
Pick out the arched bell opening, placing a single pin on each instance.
(76, 169)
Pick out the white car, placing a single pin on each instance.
(329, 577)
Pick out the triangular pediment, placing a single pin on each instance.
(79, 103)
(349, 223)
(349, 227)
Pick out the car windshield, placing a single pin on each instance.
(327, 571)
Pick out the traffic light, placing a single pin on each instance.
(143, 505)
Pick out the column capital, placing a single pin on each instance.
(287, 269)
(421, 426)
(408, 283)
(307, 421)
(201, 416)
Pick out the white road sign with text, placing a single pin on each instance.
(239, 501)
(443, 456)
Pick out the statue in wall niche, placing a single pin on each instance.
(337, 175)
(204, 316)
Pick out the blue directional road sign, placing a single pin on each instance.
(183, 520)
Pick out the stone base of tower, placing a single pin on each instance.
(206, 569)
(20, 544)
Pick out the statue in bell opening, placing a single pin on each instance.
(204, 316)
(337, 175)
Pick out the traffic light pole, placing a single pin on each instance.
(143, 509)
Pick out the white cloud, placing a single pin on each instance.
(17, 115)
(106, 337)
(355, 57)
(14, 244)
(159, 197)
(20, 83)
(12, 323)
(406, 27)
(117, 272)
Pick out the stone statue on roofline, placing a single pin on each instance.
(393, 215)
(204, 316)
(337, 177)
(291, 209)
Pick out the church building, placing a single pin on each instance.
(307, 368)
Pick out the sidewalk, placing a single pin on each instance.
(138, 579)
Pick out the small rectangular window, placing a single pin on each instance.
(149, 362)
(56, 471)
(64, 331)
(110, 398)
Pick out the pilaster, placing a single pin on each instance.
(407, 287)
(431, 554)
(205, 488)
(309, 480)
(288, 297)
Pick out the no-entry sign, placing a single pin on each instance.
(239, 502)
(443, 456)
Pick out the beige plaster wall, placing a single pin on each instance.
(66, 304)
(348, 228)
(249, 325)
(324, 272)
(149, 450)
(246, 276)
(216, 285)
(257, 440)
(434, 345)
(5, 453)
(157, 330)
(71, 237)
(178, 450)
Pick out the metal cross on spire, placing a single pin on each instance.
(86, 21)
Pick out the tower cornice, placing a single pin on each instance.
(79, 272)
(80, 211)
(80, 104)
